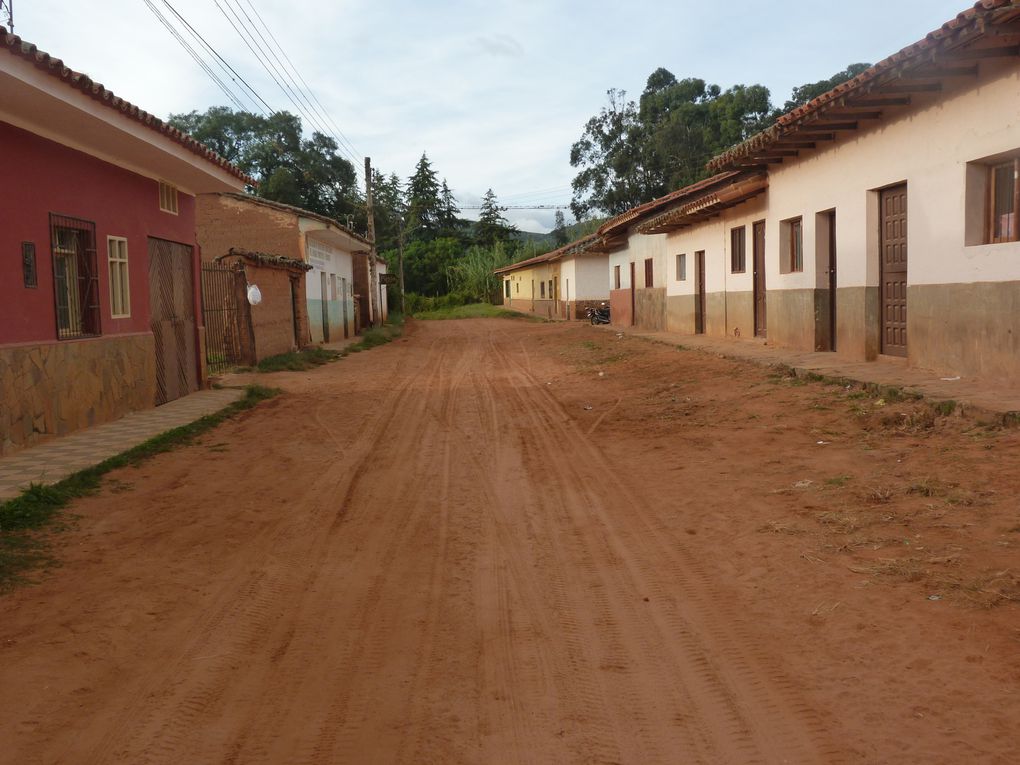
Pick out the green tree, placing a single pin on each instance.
(308, 172)
(472, 274)
(424, 203)
(491, 227)
(559, 232)
(802, 94)
(448, 220)
(427, 264)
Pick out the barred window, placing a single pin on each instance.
(120, 291)
(75, 276)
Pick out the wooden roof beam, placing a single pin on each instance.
(936, 72)
(801, 145)
(1003, 51)
(920, 87)
(823, 126)
(879, 101)
(839, 112)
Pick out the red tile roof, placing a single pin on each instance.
(974, 19)
(576, 247)
(81, 82)
(621, 222)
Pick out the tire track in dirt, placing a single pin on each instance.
(736, 678)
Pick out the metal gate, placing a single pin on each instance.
(172, 304)
(228, 341)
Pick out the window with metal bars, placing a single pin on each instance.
(75, 276)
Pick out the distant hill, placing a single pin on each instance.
(574, 231)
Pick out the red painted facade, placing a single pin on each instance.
(40, 177)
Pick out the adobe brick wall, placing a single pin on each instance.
(273, 319)
(225, 222)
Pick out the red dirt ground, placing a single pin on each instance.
(495, 541)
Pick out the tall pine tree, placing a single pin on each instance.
(491, 226)
(424, 203)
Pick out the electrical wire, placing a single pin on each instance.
(232, 73)
(194, 54)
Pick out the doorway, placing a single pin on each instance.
(699, 292)
(758, 247)
(831, 272)
(893, 279)
(172, 316)
(633, 296)
(324, 291)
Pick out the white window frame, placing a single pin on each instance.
(117, 255)
(168, 198)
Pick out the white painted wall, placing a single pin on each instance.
(714, 238)
(930, 149)
(640, 247)
(589, 280)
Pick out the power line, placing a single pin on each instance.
(224, 65)
(249, 40)
(519, 207)
(322, 109)
(191, 51)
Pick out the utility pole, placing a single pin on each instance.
(400, 263)
(373, 276)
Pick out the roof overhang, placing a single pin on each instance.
(36, 101)
(331, 234)
(706, 206)
(953, 55)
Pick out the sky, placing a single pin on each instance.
(495, 92)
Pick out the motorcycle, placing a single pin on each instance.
(599, 314)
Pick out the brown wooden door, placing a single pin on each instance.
(324, 292)
(172, 318)
(832, 280)
(699, 292)
(759, 279)
(893, 205)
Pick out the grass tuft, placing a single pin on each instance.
(26, 520)
(298, 361)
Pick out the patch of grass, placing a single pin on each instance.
(927, 487)
(298, 361)
(838, 481)
(26, 520)
(944, 408)
(376, 336)
(474, 311)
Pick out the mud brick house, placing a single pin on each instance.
(559, 284)
(99, 292)
(325, 299)
(880, 219)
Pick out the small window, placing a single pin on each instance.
(29, 269)
(517, 287)
(506, 288)
(616, 277)
(120, 291)
(1004, 180)
(738, 257)
(793, 241)
(649, 273)
(681, 267)
(552, 292)
(542, 288)
(167, 197)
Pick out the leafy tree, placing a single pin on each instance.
(805, 93)
(491, 226)
(427, 264)
(559, 232)
(388, 198)
(424, 203)
(308, 172)
(472, 275)
(631, 153)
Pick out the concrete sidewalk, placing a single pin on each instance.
(980, 398)
(59, 457)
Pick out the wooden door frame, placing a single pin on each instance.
(882, 349)
(759, 286)
(700, 320)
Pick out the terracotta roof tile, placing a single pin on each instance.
(82, 82)
(911, 56)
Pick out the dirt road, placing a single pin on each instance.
(500, 542)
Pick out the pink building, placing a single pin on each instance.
(99, 288)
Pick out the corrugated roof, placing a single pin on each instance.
(973, 19)
(83, 83)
